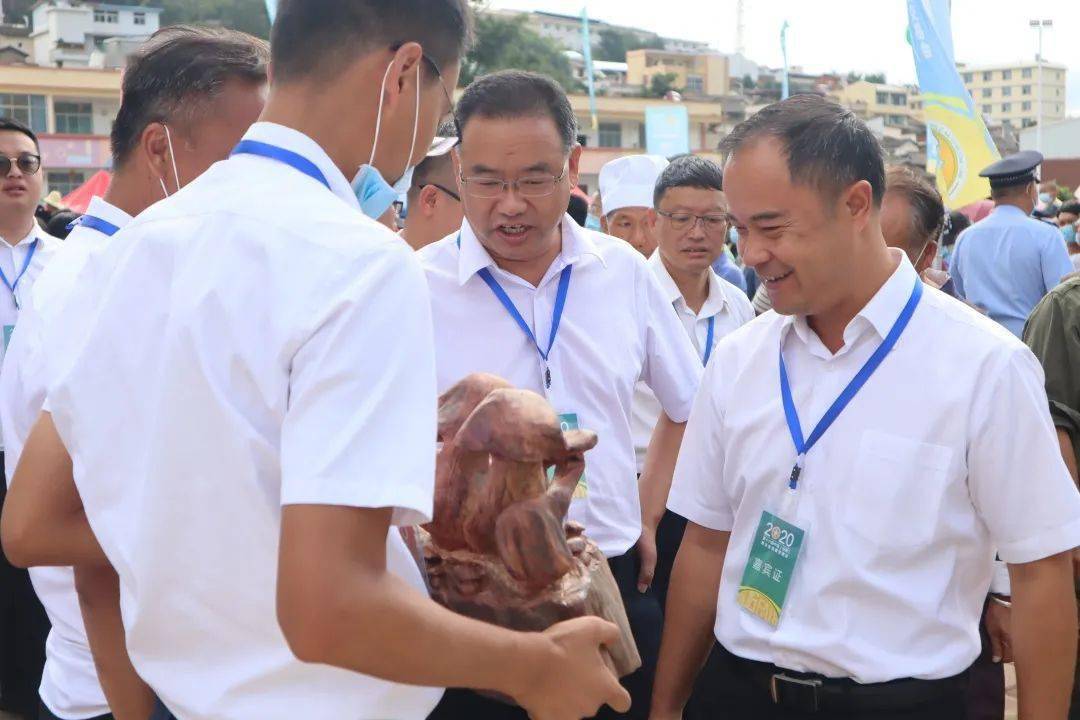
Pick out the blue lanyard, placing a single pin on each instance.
(93, 222)
(708, 340)
(803, 446)
(12, 285)
(556, 315)
(290, 158)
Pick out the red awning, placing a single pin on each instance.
(80, 198)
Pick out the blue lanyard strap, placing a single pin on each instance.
(708, 340)
(26, 263)
(803, 446)
(95, 223)
(290, 158)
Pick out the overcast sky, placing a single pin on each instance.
(842, 35)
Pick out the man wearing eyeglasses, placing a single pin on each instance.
(24, 252)
(434, 209)
(523, 292)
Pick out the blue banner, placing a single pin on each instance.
(667, 130)
(586, 51)
(271, 9)
(784, 91)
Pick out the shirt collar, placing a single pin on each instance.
(576, 243)
(880, 313)
(35, 233)
(1008, 210)
(714, 303)
(296, 141)
(107, 212)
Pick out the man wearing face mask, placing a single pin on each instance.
(1007, 262)
(261, 346)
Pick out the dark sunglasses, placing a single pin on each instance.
(28, 164)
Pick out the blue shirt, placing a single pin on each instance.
(726, 268)
(1006, 263)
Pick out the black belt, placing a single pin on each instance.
(808, 692)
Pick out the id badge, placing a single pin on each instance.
(569, 421)
(8, 329)
(770, 567)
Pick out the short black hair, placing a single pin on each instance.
(578, 208)
(688, 171)
(826, 145)
(957, 223)
(510, 94)
(12, 125)
(927, 209)
(168, 79)
(58, 223)
(1072, 207)
(319, 38)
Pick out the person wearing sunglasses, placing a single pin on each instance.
(434, 201)
(24, 252)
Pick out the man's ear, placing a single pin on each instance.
(858, 202)
(429, 198)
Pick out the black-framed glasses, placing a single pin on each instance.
(448, 191)
(713, 223)
(533, 186)
(442, 83)
(28, 164)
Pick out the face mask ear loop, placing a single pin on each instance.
(378, 117)
(163, 188)
(416, 123)
(172, 157)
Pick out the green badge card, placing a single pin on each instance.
(773, 556)
(569, 421)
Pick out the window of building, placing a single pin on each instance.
(1006, 74)
(899, 99)
(140, 18)
(896, 119)
(111, 17)
(695, 84)
(987, 76)
(987, 92)
(881, 98)
(1006, 91)
(610, 135)
(75, 118)
(987, 109)
(968, 77)
(1006, 107)
(1025, 106)
(64, 181)
(1025, 90)
(27, 109)
(1059, 92)
(1025, 73)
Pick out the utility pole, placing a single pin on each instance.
(740, 28)
(1039, 26)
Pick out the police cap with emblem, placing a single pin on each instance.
(1018, 169)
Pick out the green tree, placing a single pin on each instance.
(615, 43)
(853, 77)
(505, 42)
(748, 83)
(876, 78)
(661, 84)
(246, 15)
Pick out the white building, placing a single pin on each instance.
(566, 30)
(73, 33)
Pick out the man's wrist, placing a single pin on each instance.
(529, 655)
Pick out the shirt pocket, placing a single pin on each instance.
(898, 487)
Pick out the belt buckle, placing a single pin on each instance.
(804, 695)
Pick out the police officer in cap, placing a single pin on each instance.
(1007, 262)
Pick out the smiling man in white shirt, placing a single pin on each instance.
(194, 91)
(252, 413)
(842, 529)
(24, 251)
(524, 293)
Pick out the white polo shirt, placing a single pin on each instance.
(946, 453)
(616, 328)
(258, 344)
(69, 683)
(726, 303)
(13, 258)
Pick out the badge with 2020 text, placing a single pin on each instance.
(769, 568)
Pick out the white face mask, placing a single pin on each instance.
(374, 193)
(172, 158)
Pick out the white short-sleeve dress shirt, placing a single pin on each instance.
(69, 683)
(258, 343)
(617, 328)
(946, 454)
(728, 308)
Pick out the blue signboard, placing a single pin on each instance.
(667, 130)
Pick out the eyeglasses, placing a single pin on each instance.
(28, 164)
(439, 76)
(533, 186)
(713, 224)
(449, 192)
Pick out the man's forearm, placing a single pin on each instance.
(128, 696)
(1044, 636)
(1068, 454)
(689, 618)
(659, 468)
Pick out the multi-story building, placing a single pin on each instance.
(71, 110)
(1009, 93)
(74, 33)
(697, 74)
(566, 30)
(898, 105)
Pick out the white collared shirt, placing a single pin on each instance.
(946, 453)
(69, 683)
(616, 328)
(258, 343)
(12, 260)
(725, 302)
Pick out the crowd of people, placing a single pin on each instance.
(839, 430)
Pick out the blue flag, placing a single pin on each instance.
(586, 51)
(271, 10)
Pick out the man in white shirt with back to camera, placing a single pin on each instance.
(192, 91)
(252, 412)
(842, 530)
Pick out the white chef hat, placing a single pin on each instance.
(629, 181)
